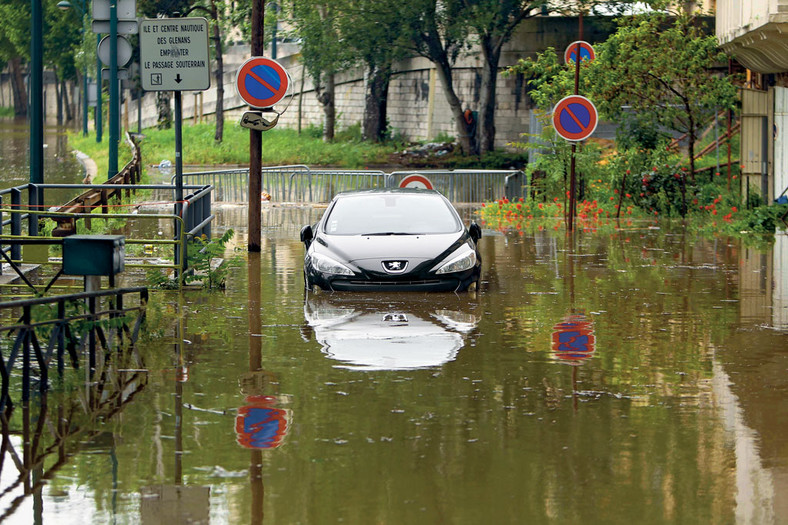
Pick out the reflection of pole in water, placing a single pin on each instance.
(255, 363)
(255, 319)
(256, 485)
(180, 377)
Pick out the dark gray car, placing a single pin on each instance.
(391, 240)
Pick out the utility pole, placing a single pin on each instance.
(256, 139)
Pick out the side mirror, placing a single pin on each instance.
(307, 235)
(475, 231)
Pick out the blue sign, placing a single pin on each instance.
(262, 82)
(575, 118)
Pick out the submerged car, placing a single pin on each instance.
(391, 240)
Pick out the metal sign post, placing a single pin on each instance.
(174, 57)
(575, 117)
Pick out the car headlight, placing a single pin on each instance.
(324, 264)
(461, 260)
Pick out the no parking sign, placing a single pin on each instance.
(262, 82)
(587, 52)
(575, 118)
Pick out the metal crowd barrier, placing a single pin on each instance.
(294, 183)
(298, 183)
(468, 186)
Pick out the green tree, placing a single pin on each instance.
(324, 54)
(15, 47)
(660, 69)
(374, 30)
(494, 21)
(437, 30)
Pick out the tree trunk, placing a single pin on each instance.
(164, 110)
(376, 102)
(491, 50)
(219, 134)
(58, 99)
(18, 87)
(444, 74)
(68, 104)
(326, 99)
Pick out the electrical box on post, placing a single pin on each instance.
(94, 254)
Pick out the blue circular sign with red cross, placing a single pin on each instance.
(262, 82)
(575, 118)
(587, 53)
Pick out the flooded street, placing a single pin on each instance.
(638, 376)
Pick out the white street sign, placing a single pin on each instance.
(124, 51)
(126, 9)
(127, 16)
(125, 27)
(174, 54)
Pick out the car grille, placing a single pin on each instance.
(423, 282)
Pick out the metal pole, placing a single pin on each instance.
(84, 72)
(114, 115)
(178, 170)
(99, 105)
(570, 225)
(256, 140)
(36, 85)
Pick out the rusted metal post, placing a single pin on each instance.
(572, 166)
(256, 140)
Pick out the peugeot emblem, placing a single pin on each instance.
(395, 266)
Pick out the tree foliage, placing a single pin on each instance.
(661, 70)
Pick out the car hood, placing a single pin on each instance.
(354, 248)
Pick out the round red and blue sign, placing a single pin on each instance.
(575, 118)
(262, 82)
(587, 53)
(416, 181)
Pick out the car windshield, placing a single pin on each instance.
(391, 214)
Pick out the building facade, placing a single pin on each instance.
(755, 32)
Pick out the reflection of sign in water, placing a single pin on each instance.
(260, 424)
(573, 339)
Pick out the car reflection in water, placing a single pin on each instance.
(389, 333)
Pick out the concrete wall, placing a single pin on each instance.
(417, 106)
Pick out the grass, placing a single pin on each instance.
(280, 146)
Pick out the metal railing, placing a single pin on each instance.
(195, 220)
(298, 183)
(469, 186)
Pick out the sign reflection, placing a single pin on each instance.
(404, 333)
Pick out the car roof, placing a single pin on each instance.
(388, 191)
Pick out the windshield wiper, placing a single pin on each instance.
(389, 233)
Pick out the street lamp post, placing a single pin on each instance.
(65, 5)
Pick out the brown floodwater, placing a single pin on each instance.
(637, 375)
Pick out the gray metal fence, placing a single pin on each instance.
(467, 186)
(299, 183)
